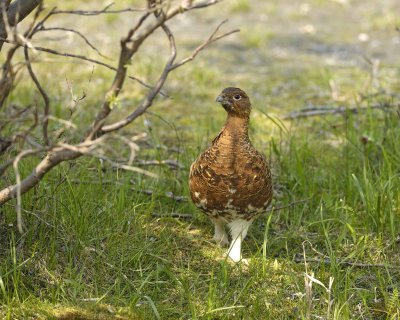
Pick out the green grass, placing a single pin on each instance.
(94, 248)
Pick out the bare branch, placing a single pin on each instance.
(23, 135)
(8, 75)
(44, 96)
(52, 159)
(137, 38)
(80, 57)
(131, 32)
(169, 162)
(98, 12)
(147, 102)
(130, 44)
(83, 37)
(56, 154)
(14, 117)
(33, 26)
(85, 149)
(173, 215)
(210, 40)
(24, 154)
(131, 168)
(6, 143)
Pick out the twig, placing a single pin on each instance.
(132, 146)
(22, 155)
(210, 40)
(24, 135)
(30, 31)
(84, 58)
(80, 34)
(173, 215)
(129, 46)
(169, 162)
(129, 168)
(67, 123)
(148, 100)
(8, 75)
(98, 12)
(318, 111)
(44, 96)
(169, 194)
(86, 147)
(37, 216)
(73, 98)
(170, 66)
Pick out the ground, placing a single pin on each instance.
(96, 247)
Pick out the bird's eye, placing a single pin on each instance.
(237, 97)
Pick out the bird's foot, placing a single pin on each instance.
(221, 239)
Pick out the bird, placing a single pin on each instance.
(231, 181)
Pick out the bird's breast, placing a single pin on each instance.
(230, 178)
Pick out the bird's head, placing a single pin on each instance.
(235, 101)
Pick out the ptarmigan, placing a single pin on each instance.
(231, 181)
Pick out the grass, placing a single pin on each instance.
(94, 249)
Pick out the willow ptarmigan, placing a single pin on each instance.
(231, 181)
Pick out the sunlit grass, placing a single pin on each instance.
(90, 243)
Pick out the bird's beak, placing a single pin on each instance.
(219, 99)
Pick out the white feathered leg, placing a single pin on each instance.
(220, 236)
(238, 230)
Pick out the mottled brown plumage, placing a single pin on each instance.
(231, 181)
